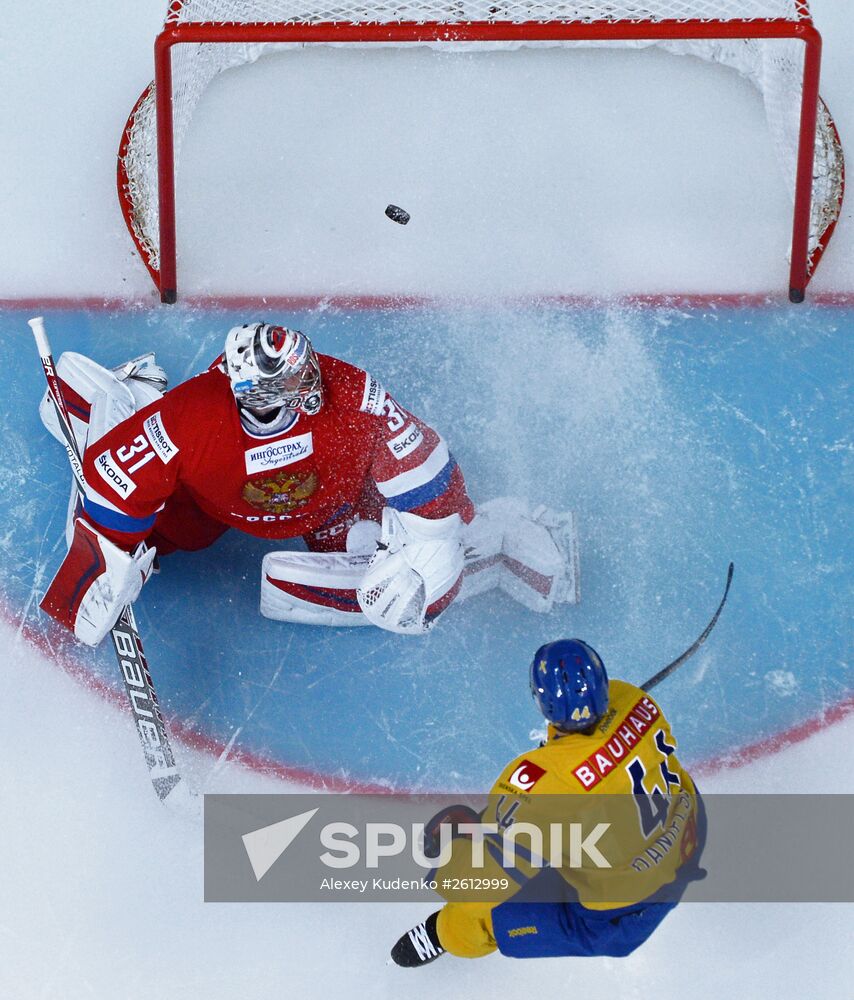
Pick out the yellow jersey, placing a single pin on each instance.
(626, 775)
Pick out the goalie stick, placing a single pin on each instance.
(151, 729)
(689, 652)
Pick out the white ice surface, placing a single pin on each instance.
(102, 889)
(584, 172)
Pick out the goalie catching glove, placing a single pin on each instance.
(415, 573)
(400, 576)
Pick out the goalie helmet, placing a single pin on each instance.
(569, 684)
(271, 368)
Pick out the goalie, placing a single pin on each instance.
(281, 442)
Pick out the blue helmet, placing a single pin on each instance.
(569, 684)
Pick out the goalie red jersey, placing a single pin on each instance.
(281, 442)
(186, 467)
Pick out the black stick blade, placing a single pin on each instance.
(666, 671)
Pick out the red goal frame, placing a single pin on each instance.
(803, 263)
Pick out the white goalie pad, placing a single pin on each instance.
(530, 554)
(363, 537)
(415, 573)
(94, 583)
(97, 399)
(421, 566)
(313, 588)
(86, 385)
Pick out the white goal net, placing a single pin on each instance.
(763, 40)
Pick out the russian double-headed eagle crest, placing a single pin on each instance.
(282, 493)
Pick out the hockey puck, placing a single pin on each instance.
(397, 214)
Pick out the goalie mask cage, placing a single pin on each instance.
(773, 43)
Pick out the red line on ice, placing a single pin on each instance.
(208, 744)
(779, 741)
(685, 300)
(339, 783)
(64, 658)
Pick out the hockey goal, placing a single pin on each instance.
(773, 43)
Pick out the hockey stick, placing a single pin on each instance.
(133, 665)
(689, 652)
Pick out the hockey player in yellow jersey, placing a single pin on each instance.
(609, 754)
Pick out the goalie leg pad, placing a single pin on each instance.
(532, 555)
(313, 588)
(94, 583)
(97, 398)
(84, 382)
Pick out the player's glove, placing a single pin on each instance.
(415, 573)
(451, 816)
